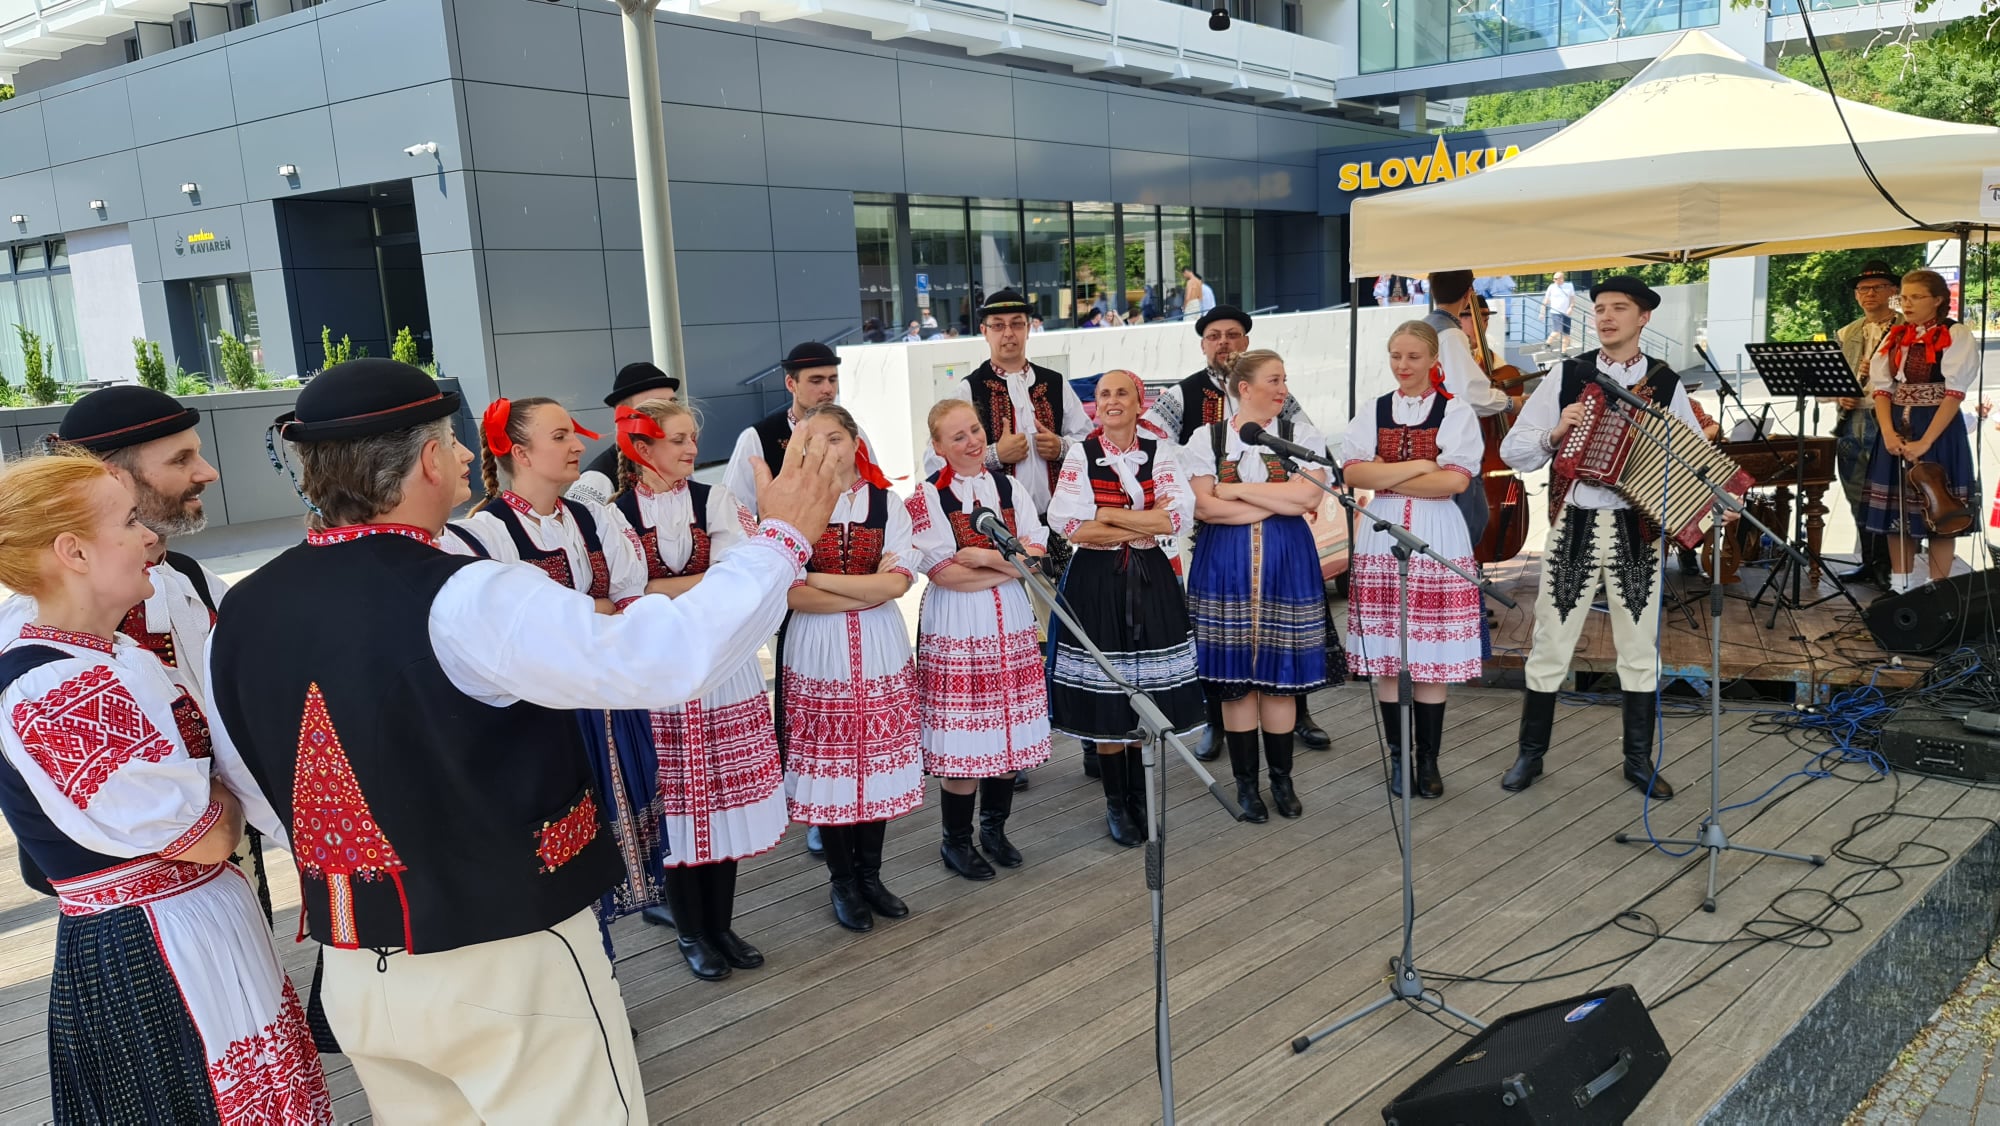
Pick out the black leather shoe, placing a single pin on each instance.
(996, 804)
(849, 909)
(881, 900)
(703, 958)
(1641, 709)
(961, 857)
(1308, 732)
(737, 952)
(660, 915)
(1020, 781)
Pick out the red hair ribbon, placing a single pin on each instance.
(637, 424)
(579, 428)
(1901, 338)
(866, 467)
(493, 424)
(1437, 380)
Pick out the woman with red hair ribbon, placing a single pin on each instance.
(720, 792)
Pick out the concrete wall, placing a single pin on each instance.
(108, 315)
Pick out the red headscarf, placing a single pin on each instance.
(1139, 385)
(637, 424)
(493, 426)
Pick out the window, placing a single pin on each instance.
(31, 258)
(39, 296)
(245, 14)
(132, 48)
(59, 254)
(183, 30)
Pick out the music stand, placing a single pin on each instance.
(1801, 368)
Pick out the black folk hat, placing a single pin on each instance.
(1222, 313)
(642, 376)
(116, 418)
(363, 398)
(1877, 270)
(1003, 303)
(1632, 287)
(811, 354)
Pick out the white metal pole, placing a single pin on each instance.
(656, 224)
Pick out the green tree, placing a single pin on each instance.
(6, 91)
(404, 349)
(239, 370)
(1526, 107)
(150, 364)
(37, 381)
(332, 353)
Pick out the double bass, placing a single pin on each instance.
(1506, 498)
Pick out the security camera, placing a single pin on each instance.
(1218, 20)
(428, 148)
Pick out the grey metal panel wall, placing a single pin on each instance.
(24, 143)
(112, 179)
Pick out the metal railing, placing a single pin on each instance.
(831, 341)
(1527, 317)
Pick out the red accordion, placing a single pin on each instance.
(1623, 453)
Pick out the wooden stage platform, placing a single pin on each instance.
(1029, 999)
(1807, 653)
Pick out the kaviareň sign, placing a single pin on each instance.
(1346, 174)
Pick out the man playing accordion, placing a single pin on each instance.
(1596, 538)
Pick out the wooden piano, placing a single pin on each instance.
(1773, 463)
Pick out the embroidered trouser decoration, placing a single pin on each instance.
(1587, 550)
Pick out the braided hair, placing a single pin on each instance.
(517, 432)
(659, 410)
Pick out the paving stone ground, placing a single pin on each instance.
(1947, 1075)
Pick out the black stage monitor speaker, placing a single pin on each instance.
(1932, 744)
(1584, 1061)
(1961, 610)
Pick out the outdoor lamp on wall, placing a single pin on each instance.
(190, 188)
(1218, 20)
(18, 220)
(289, 171)
(97, 205)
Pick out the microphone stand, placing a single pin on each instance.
(1711, 836)
(1406, 984)
(1158, 734)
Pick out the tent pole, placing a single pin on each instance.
(1979, 438)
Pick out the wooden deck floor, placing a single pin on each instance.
(1028, 999)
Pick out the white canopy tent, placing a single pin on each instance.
(1703, 155)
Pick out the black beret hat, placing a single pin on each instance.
(1221, 313)
(1631, 287)
(634, 378)
(1004, 302)
(811, 354)
(363, 398)
(116, 418)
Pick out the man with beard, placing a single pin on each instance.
(1202, 399)
(150, 443)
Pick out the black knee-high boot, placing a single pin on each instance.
(1278, 758)
(1091, 766)
(849, 909)
(1641, 708)
(868, 838)
(721, 904)
(1430, 736)
(1243, 764)
(1135, 791)
(1392, 730)
(1538, 717)
(957, 851)
(1212, 741)
(1117, 812)
(996, 804)
(683, 887)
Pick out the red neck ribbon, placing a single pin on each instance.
(1437, 380)
(866, 467)
(1901, 338)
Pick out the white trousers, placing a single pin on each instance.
(1587, 550)
(528, 1030)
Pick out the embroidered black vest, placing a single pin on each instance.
(1105, 488)
(649, 536)
(854, 549)
(774, 433)
(161, 645)
(421, 818)
(995, 408)
(1395, 442)
(960, 518)
(1202, 404)
(556, 563)
(1225, 470)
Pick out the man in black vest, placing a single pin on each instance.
(812, 375)
(635, 384)
(1031, 413)
(1197, 401)
(406, 716)
(149, 441)
(1595, 538)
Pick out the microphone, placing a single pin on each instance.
(1258, 436)
(1617, 391)
(988, 523)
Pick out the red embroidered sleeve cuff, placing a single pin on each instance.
(195, 832)
(1952, 394)
(903, 571)
(1883, 394)
(940, 566)
(624, 602)
(1353, 461)
(783, 535)
(1456, 469)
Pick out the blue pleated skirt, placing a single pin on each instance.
(1259, 609)
(621, 755)
(1893, 508)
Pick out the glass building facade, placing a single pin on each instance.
(941, 256)
(35, 293)
(1408, 33)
